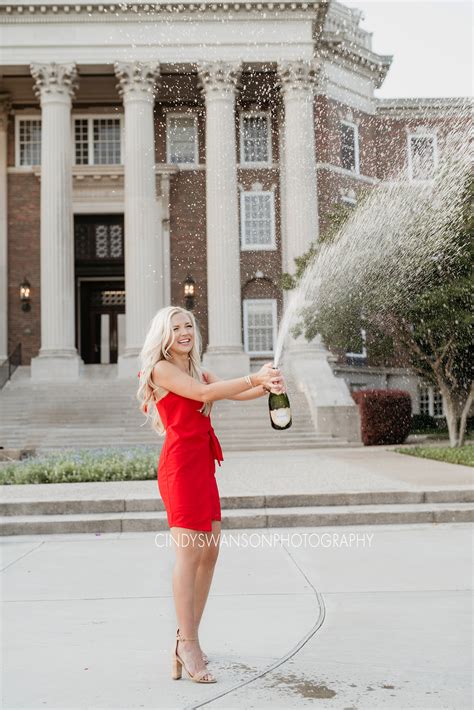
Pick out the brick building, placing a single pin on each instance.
(144, 144)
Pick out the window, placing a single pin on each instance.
(422, 156)
(424, 400)
(97, 141)
(260, 324)
(350, 146)
(358, 356)
(438, 410)
(257, 220)
(28, 141)
(181, 139)
(255, 139)
(81, 141)
(430, 401)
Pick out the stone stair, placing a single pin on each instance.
(102, 411)
(109, 514)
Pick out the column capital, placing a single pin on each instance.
(54, 80)
(217, 79)
(137, 79)
(5, 108)
(298, 76)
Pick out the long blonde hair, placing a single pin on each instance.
(156, 347)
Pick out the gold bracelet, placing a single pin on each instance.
(248, 380)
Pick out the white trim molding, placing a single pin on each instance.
(347, 173)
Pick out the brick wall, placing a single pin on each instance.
(24, 261)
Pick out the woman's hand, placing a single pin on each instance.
(268, 376)
(279, 386)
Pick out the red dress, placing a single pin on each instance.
(186, 467)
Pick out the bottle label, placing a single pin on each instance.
(281, 417)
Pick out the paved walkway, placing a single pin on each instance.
(88, 620)
(284, 472)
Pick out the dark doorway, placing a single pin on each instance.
(102, 304)
(100, 287)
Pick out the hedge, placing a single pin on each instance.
(385, 416)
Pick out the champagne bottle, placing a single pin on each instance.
(280, 412)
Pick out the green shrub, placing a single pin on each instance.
(78, 465)
(421, 423)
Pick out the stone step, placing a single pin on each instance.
(103, 411)
(241, 518)
(118, 504)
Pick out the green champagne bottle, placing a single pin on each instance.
(280, 411)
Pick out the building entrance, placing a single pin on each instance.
(100, 287)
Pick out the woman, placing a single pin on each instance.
(177, 395)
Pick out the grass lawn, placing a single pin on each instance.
(76, 466)
(463, 455)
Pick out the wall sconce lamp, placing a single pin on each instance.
(189, 290)
(25, 291)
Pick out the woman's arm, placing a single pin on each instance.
(253, 393)
(171, 378)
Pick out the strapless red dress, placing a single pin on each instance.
(186, 467)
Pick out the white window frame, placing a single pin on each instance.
(251, 163)
(352, 201)
(257, 247)
(363, 353)
(183, 114)
(431, 394)
(259, 301)
(18, 119)
(355, 127)
(90, 136)
(421, 134)
(357, 386)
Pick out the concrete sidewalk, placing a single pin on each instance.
(382, 621)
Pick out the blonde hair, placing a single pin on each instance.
(156, 347)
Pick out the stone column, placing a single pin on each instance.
(4, 111)
(297, 81)
(332, 407)
(143, 229)
(225, 354)
(58, 359)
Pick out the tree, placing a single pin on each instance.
(429, 330)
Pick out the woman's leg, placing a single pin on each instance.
(205, 570)
(189, 546)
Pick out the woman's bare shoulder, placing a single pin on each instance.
(160, 370)
(163, 366)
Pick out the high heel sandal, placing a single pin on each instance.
(178, 664)
(204, 657)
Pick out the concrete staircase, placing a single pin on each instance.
(106, 513)
(102, 411)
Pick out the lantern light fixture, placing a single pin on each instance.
(25, 295)
(189, 292)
